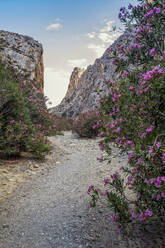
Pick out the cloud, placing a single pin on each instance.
(109, 38)
(91, 35)
(99, 49)
(77, 62)
(54, 26)
(103, 37)
(107, 26)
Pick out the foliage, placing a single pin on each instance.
(24, 119)
(63, 124)
(135, 108)
(85, 123)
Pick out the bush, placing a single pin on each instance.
(86, 124)
(24, 119)
(136, 110)
(63, 124)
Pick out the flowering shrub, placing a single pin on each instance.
(63, 123)
(24, 119)
(135, 108)
(86, 124)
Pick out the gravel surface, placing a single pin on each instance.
(51, 211)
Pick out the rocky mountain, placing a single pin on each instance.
(81, 94)
(23, 53)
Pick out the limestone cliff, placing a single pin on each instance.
(24, 54)
(83, 96)
(76, 74)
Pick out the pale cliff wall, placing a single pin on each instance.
(25, 54)
(83, 96)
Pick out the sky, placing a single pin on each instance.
(73, 33)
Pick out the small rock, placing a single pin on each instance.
(35, 166)
(5, 226)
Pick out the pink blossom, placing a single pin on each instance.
(163, 194)
(124, 75)
(152, 51)
(158, 144)
(133, 214)
(106, 181)
(118, 130)
(152, 180)
(151, 150)
(143, 134)
(105, 192)
(90, 188)
(148, 212)
(149, 129)
(131, 87)
(100, 160)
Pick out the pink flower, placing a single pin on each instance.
(151, 150)
(133, 214)
(139, 160)
(148, 212)
(149, 129)
(153, 196)
(141, 218)
(158, 144)
(131, 87)
(163, 194)
(118, 130)
(90, 188)
(157, 184)
(152, 51)
(100, 160)
(124, 75)
(100, 134)
(105, 192)
(157, 10)
(152, 180)
(163, 179)
(106, 181)
(102, 147)
(143, 134)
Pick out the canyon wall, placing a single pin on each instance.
(24, 54)
(81, 95)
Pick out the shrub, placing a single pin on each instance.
(136, 111)
(86, 124)
(63, 124)
(24, 119)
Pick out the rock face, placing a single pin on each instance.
(25, 54)
(76, 74)
(81, 96)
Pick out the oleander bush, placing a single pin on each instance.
(86, 124)
(63, 123)
(135, 119)
(25, 121)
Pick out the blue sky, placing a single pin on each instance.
(72, 32)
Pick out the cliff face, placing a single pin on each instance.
(76, 74)
(24, 54)
(83, 97)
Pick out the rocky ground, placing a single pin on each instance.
(50, 209)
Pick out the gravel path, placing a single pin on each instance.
(51, 211)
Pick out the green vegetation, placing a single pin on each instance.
(134, 113)
(25, 121)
